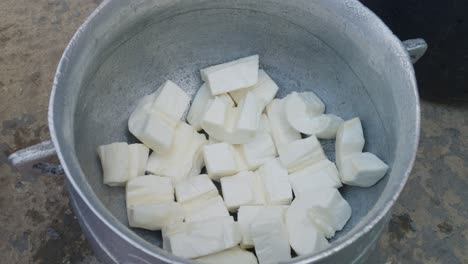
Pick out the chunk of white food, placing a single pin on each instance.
(235, 125)
(115, 163)
(240, 158)
(321, 217)
(329, 126)
(171, 100)
(150, 203)
(270, 237)
(276, 182)
(233, 255)
(138, 156)
(362, 169)
(204, 208)
(155, 129)
(304, 237)
(246, 215)
(265, 89)
(215, 118)
(300, 106)
(156, 116)
(322, 174)
(331, 204)
(301, 153)
(195, 188)
(349, 139)
(154, 216)
(198, 161)
(184, 158)
(201, 238)
(244, 188)
(260, 150)
(220, 160)
(149, 189)
(199, 106)
(231, 76)
(250, 111)
(322, 126)
(281, 131)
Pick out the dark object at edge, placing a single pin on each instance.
(443, 72)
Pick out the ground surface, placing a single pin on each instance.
(429, 223)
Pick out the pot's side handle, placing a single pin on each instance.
(39, 159)
(416, 48)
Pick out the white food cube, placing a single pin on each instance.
(250, 111)
(171, 100)
(154, 216)
(233, 255)
(244, 188)
(322, 174)
(154, 119)
(138, 156)
(167, 230)
(115, 163)
(304, 236)
(155, 129)
(304, 112)
(195, 187)
(184, 157)
(199, 106)
(149, 189)
(231, 76)
(257, 152)
(201, 238)
(247, 214)
(349, 139)
(265, 89)
(322, 126)
(276, 182)
(198, 161)
(281, 131)
(205, 208)
(362, 169)
(220, 160)
(215, 118)
(157, 132)
(321, 218)
(301, 153)
(303, 105)
(201, 103)
(330, 124)
(150, 203)
(331, 201)
(235, 125)
(270, 237)
(240, 158)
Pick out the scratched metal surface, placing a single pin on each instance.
(39, 227)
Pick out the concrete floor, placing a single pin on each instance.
(429, 223)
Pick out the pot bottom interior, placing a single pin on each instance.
(177, 47)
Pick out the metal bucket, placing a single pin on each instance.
(337, 48)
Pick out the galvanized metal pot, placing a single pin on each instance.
(126, 49)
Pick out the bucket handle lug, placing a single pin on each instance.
(39, 159)
(415, 48)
